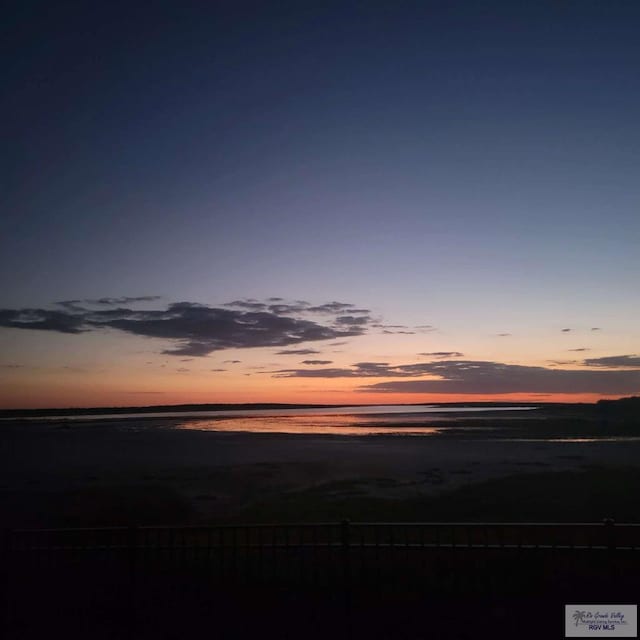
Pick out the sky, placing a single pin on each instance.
(337, 202)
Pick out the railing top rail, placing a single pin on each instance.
(495, 524)
(311, 525)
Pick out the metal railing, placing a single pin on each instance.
(336, 564)
(472, 535)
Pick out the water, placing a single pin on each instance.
(366, 420)
(361, 421)
(329, 411)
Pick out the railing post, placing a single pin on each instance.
(132, 542)
(609, 524)
(5, 581)
(345, 540)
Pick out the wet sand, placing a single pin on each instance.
(100, 475)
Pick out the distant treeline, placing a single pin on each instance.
(74, 411)
(626, 407)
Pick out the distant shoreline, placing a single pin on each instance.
(258, 406)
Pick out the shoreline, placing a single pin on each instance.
(264, 406)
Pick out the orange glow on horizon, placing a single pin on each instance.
(69, 398)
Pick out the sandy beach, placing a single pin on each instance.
(98, 474)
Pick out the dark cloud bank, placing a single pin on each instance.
(482, 377)
(198, 329)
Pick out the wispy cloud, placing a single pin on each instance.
(402, 329)
(389, 326)
(77, 304)
(358, 370)
(443, 354)
(614, 362)
(43, 320)
(251, 304)
(297, 352)
(281, 307)
(352, 320)
(425, 328)
(317, 362)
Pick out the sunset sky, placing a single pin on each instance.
(336, 202)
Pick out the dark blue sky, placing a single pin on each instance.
(412, 157)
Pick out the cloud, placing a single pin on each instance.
(580, 349)
(358, 370)
(596, 329)
(389, 332)
(504, 335)
(565, 330)
(75, 304)
(336, 307)
(288, 309)
(614, 362)
(217, 370)
(315, 362)
(42, 320)
(297, 352)
(253, 305)
(352, 320)
(402, 329)
(443, 354)
(196, 329)
(280, 307)
(315, 373)
(480, 377)
(124, 300)
(231, 361)
(390, 326)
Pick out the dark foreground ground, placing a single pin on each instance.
(145, 472)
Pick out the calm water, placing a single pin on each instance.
(366, 420)
(390, 409)
(491, 423)
(424, 420)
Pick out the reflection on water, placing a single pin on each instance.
(338, 425)
(389, 425)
